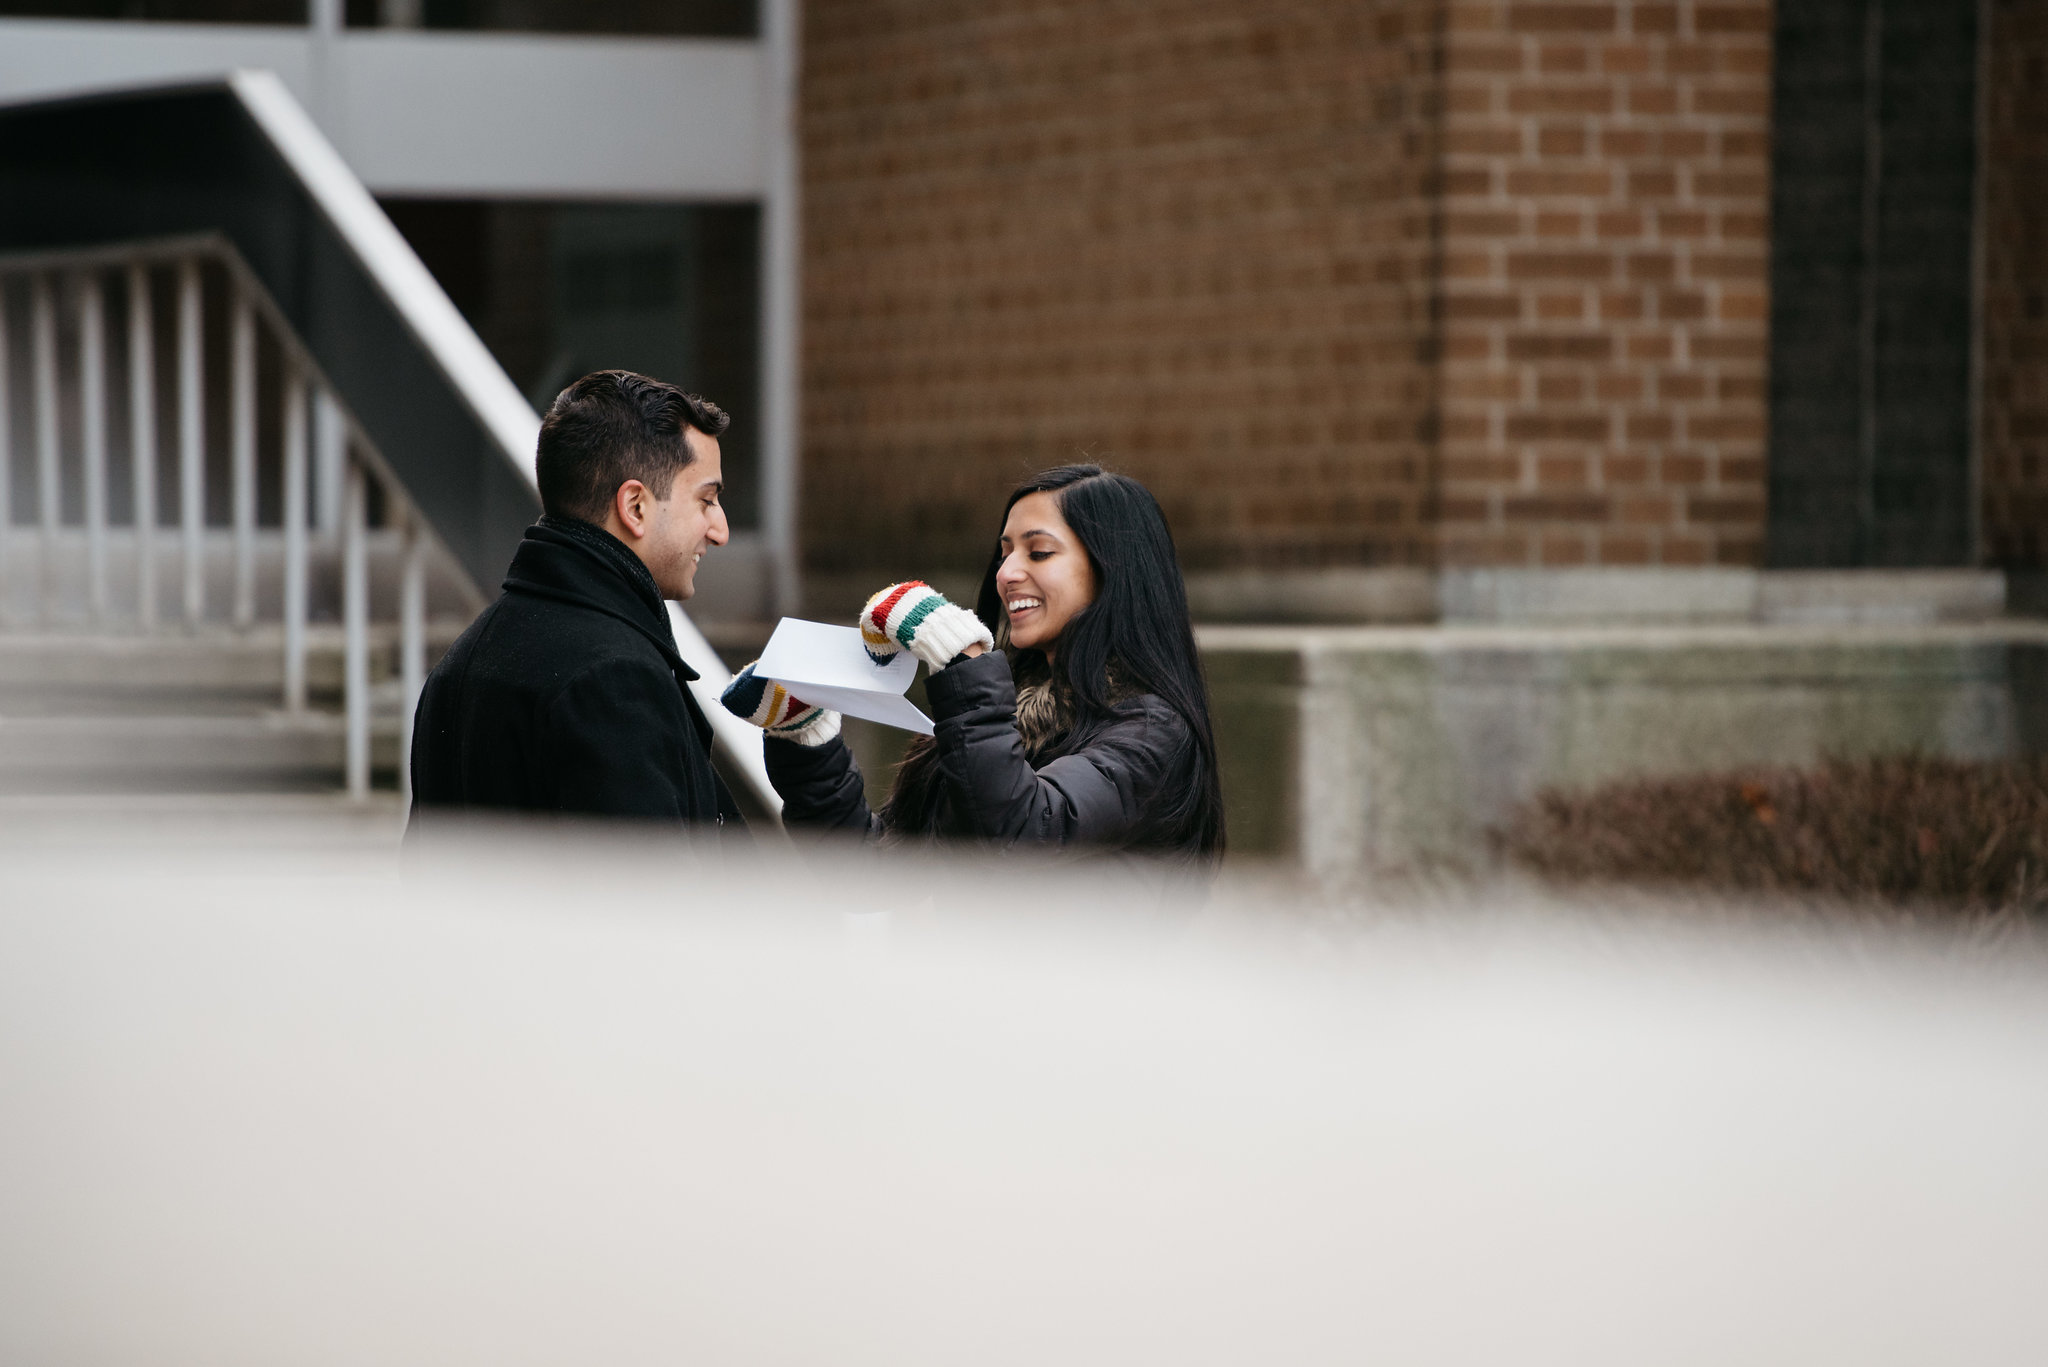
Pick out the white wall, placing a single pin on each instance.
(486, 115)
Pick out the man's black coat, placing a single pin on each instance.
(567, 695)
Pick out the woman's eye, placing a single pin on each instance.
(1041, 555)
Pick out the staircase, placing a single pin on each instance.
(255, 472)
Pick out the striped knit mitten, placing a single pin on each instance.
(775, 710)
(916, 617)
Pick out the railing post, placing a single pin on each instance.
(191, 439)
(294, 540)
(412, 640)
(6, 462)
(92, 402)
(330, 455)
(355, 616)
(142, 440)
(43, 321)
(242, 409)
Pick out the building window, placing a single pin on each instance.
(557, 290)
(672, 18)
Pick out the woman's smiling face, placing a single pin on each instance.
(1045, 577)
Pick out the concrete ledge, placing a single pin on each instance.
(1364, 751)
(1332, 595)
(1657, 595)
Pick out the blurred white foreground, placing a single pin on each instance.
(297, 1109)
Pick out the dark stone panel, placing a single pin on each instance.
(1870, 453)
(1817, 194)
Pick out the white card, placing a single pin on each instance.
(828, 666)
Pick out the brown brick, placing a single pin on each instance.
(1625, 59)
(1744, 511)
(1750, 185)
(1732, 348)
(1625, 142)
(1622, 306)
(1619, 223)
(1555, 508)
(1487, 223)
(1728, 266)
(1557, 427)
(1753, 17)
(1624, 548)
(1681, 386)
(1724, 427)
(1681, 305)
(1681, 223)
(1652, 100)
(1560, 224)
(1561, 308)
(1652, 266)
(1651, 510)
(1739, 223)
(1482, 308)
(1679, 469)
(1659, 19)
(1648, 427)
(1744, 306)
(1559, 346)
(1561, 99)
(1503, 140)
(1560, 265)
(1657, 184)
(1564, 59)
(1547, 182)
(1562, 18)
(1561, 140)
(1618, 387)
(1563, 472)
(1738, 100)
(1563, 550)
(1623, 469)
(1560, 388)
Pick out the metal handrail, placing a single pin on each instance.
(379, 355)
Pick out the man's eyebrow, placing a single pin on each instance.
(717, 484)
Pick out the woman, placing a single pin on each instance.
(1088, 726)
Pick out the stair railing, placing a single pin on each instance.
(89, 314)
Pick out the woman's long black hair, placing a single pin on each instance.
(1135, 637)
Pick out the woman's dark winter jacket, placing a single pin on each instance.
(1108, 786)
(567, 695)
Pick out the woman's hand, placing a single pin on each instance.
(777, 711)
(916, 617)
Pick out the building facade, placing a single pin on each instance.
(1417, 308)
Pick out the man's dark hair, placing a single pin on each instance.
(612, 426)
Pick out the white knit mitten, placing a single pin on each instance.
(916, 617)
(777, 711)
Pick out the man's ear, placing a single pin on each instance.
(632, 505)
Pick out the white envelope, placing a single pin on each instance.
(829, 666)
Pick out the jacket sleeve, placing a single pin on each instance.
(614, 731)
(1104, 794)
(820, 785)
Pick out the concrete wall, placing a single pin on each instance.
(1360, 751)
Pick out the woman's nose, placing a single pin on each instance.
(1008, 574)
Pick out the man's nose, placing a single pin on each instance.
(719, 532)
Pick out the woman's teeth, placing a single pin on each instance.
(1017, 605)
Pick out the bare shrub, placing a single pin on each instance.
(1906, 831)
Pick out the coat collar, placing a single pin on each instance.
(574, 562)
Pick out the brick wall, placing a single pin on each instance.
(1605, 273)
(2014, 433)
(1393, 282)
(1186, 237)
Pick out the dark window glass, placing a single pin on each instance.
(674, 18)
(559, 290)
(185, 11)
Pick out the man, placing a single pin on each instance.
(567, 694)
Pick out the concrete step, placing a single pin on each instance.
(296, 823)
(214, 661)
(261, 752)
